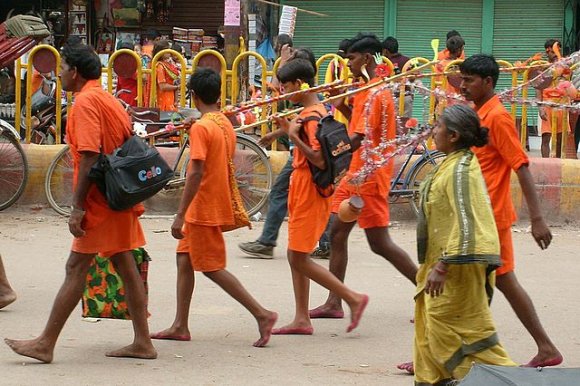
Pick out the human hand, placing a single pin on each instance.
(286, 53)
(267, 139)
(543, 114)
(294, 128)
(436, 280)
(541, 232)
(75, 221)
(177, 227)
(282, 122)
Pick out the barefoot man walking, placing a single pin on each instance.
(97, 122)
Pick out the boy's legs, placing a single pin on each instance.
(265, 318)
(339, 233)
(277, 210)
(381, 243)
(545, 148)
(303, 270)
(7, 294)
(67, 298)
(521, 303)
(137, 304)
(548, 354)
(179, 330)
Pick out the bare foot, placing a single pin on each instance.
(295, 328)
(31, 348)
(545, 360)
(265, 326)
(356, 311)
(7, 298)
(134, 351)
(173, 333)
(329, 311)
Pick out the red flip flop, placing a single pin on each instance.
(550, 362)
(320, 314)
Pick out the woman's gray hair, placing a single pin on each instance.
(463, 120)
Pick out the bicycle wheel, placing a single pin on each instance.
(58, 183)
(253, 174)
(418, 173)
(13, 170)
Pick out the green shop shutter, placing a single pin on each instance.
(345, 19)
(420, 21)
(520, 30)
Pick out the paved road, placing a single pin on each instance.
(34, 247)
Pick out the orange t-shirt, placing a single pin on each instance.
(499, 157)
(444, 54)
(165, 99)
(309, 128)
(211, 205)
(97, 123)
(382, 107)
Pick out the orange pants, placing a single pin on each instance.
(205, 245)
(547, 124)
(506, 251)
(375, 212)
(308, 212)
(119, 232)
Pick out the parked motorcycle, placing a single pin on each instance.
(43, 115)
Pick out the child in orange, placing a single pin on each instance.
(374, 218)
(309, 210)
(167, 77)
(204, 208)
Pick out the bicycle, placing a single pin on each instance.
(13, 166)
(407, 186)
(253, 173)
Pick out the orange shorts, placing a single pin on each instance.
(208, 255)
(375, 212)
(547, 124)
(308, 212)
(506, 251)
(119, 232)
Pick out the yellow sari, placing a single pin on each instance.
(456, 226)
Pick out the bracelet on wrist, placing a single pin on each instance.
(440, 270)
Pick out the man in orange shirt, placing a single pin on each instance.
(374, 218)
(503, 154)
(97, 123)
(444, 54)
(205, 206)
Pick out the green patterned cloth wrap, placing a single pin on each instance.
(104, 295)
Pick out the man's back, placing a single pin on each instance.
(503, 154)
(212, 203)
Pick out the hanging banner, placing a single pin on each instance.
(232, 13)
(287, 20)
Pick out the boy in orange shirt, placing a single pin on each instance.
(498, 158)
(502, 154)
(97, 123)
(204, 208)
(374, 218)
(308, 209)
(444, 54)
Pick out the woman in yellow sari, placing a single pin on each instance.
(458, 250)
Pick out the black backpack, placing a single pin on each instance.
(336, 149)
(131, 174)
